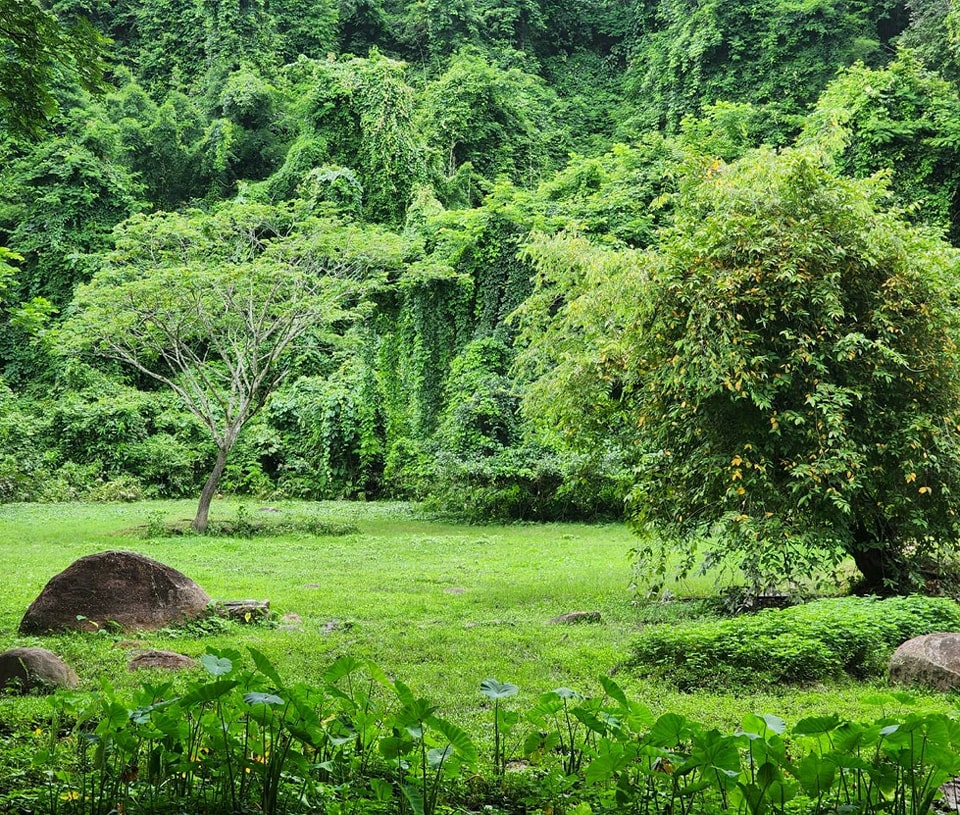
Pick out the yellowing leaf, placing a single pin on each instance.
(911, 477)
(924, 490)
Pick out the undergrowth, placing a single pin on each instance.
(820, 640)
(241, 739)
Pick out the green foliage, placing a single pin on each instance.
(807, 643)
(782, 363)
(485, 469)
(269, 101)
(36, 51)
(238, 738)
(776, 55)
(499, 121)
(933, 36)
(23, 460)
(213, 306)
(332, 435)
(59, 203)
(903, 120)
(162, 143)
(432, 30)
(310, 29)
(355, 113)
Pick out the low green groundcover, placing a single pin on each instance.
(805, 643)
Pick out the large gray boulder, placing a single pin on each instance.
(27, 669)
(932, 660)
(121, 589)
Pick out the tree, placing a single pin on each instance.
(354, 114)
(212, 306)
(34, 49)
(778, 55)
(904, 119)
(501, 121)
(783, 370)
(933, 35)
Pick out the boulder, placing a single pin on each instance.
(932, 660)
(27, 669)
(166, 660)
(120, 589)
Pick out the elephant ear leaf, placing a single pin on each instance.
(494, 689)
(265, 666)
(217, 666)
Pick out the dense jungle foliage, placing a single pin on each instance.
(503, 175)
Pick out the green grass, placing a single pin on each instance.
(439, 605)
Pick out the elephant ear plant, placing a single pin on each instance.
(425, 750)
(504, 721)
(238, 739)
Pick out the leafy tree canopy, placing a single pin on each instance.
(776, 54)
(783, 367)
(213, 305)
(902, 118)
(36, 49)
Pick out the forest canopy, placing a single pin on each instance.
(559, 209)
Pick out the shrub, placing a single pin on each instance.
(123, 488)
(826, 638)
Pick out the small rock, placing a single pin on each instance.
(951, 796)
(26, 669)
(244, 611)
(167, 660)
(335, 625)
(932, 660)
(290, 622)
(455, 590)
(576, 617)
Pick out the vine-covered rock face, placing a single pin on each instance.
(30, 669)
(115, 589)
(932, 660)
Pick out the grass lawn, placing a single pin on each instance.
(440, 606)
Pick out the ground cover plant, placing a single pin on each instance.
(242, 739)
(818, 640)
(453, 617)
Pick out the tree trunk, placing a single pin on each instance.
(878, 562)
(209, 490)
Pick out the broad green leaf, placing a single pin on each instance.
(669, 730)
(494, 689)
(613, 690)
(816, 725)
(208, 692)
(265, 666)
(257, 698)
(215, 665)
(458, 739)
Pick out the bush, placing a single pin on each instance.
(123, 488)
(819, 640)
